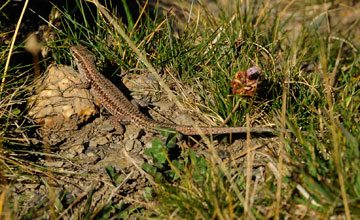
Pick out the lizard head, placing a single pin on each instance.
(80, 54)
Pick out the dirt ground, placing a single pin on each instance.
(81, 145)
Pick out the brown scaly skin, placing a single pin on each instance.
(123, 110)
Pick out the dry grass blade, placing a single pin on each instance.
(328, 81)
(309, 57)
(12, 46)
(282, 145)
(139, 53)
(249, 159)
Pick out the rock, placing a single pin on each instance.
(148, 144)
(92, 145)
(116, 162)
(137, 146)
(223, 154)
(141, 82)
(78, 149)
(115, 146)
(164, 106)
(101, 140)
(129, 144)
(31, 186)
(139, 102)
(132, 132)
(184, 119)
(106, 126)
(75, 150)
(61, 103)
(89, 157)
(53, 163)
(70, 155)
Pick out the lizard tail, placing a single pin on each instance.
(190, 130)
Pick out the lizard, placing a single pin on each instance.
(123, 110)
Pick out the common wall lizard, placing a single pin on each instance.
(124, 111)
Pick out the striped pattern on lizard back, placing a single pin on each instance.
(118, 105)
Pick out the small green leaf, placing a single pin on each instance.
(116, 179)
(87, 212)
(148, 193)
(357, 184)
(178, 165)
(110, 171)
(15, 112)
(149, 169)
(157, 151)
(166, 131)
(123, 215)
(171, 140)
